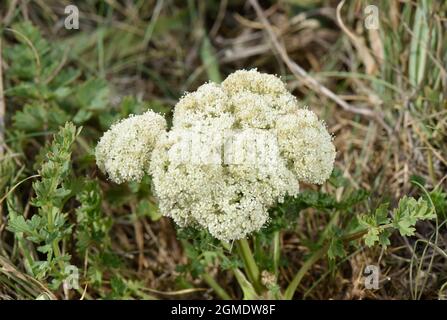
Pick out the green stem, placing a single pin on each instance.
(317, 255)
(216, 287)
(250, 266)
(276, 252)
(290, 291)
(55, 242)
(357, 235)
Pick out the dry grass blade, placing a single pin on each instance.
(311, 82)
(176, 293)
(359, 43)
(17, 283)
(2, 105)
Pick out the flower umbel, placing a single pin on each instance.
(125, 150)
(234, 151)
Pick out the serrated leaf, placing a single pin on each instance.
(336, 248)
(372, 236)
(384, 238)
(439, 199)
(18, 224)
(381, 214)
(93, 95)
(408, 212)
(147, 208)
(24, 90)
(354, 198)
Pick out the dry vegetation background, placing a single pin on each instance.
(381, 92)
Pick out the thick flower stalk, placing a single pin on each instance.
(233, 152)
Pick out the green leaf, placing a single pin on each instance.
(384, 238)
(352, 199)
(336, 248)
(373, 223)
(24, 90)
(313, 199)
(38, 117)
(18, 224)
(408, 212)
(372, 236)
(439, 199)
(93, 226)
(93, 95)
(147, 208)
(381, 214)
(405, 216)
(337, 180)
(210, 61)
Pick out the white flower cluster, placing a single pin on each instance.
(124, 152)
(234, 150)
